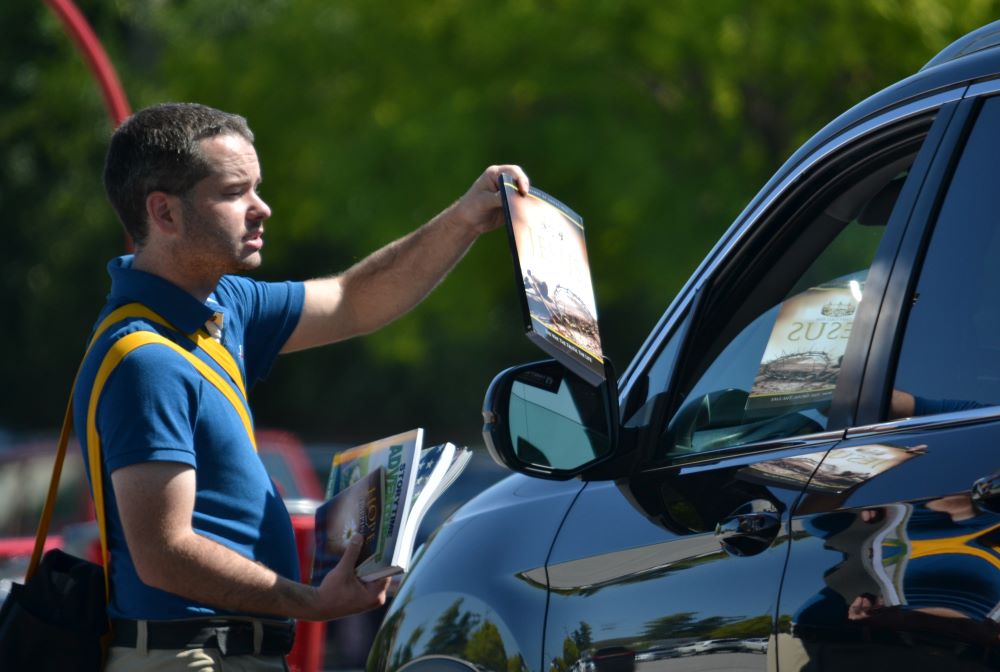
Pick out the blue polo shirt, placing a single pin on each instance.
(157, 407)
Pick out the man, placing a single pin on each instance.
(203, 560)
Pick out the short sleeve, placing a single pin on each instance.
(268, 313)
(148, 408)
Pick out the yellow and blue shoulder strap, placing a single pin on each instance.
(210, 346)
(234, 391)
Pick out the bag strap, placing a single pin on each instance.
(115, 355)
(209, 345)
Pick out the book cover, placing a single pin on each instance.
(801, 363)
(552, 272)
(354, 511)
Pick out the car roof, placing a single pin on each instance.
(969, 59)
(980, 39)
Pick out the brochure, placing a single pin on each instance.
(382, 490)
(553, 279)
(801, 363)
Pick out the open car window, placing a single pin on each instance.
(764, 355)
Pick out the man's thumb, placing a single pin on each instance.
(352, 551)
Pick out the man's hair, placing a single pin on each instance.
(158, 149)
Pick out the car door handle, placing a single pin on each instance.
(750, 529)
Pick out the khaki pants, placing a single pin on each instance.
(124, 659)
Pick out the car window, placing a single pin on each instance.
(950, 354)
(764, 354)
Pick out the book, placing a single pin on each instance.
(552, 275)
(801, 362)
(382, 490)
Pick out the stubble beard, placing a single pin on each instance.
(210, 250)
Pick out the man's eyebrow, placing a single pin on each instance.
(239, 180)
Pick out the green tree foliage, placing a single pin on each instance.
(485, 648)
(583, 637)
(452, 630)
(656, 120)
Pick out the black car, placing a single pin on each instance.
(803, 455)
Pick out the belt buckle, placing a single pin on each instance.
(235, 639)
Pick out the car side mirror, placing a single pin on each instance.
(542, 420)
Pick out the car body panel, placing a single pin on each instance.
(880, 554)
(901, 566)
(506, 532)
(617, 578)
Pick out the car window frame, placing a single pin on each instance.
(758, 207)
(679, 315)
(880, 370)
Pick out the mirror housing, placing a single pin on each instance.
(541, 420)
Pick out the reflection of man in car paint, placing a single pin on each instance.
(952, 544)
(932, 568)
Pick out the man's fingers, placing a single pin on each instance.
(520, 177)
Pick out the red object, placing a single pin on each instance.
(100, 65)
(310, 636)
(95, 56)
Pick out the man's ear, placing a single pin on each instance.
(164, 212)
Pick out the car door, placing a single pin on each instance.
(756, 366)
(898, 562)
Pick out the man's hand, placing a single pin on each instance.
(480, 209)
(342, 593)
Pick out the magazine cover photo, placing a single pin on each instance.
(551, 255)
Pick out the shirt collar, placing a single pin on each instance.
(161, 296)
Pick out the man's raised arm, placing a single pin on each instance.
(394, 279)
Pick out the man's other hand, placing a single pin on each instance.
(342, 593)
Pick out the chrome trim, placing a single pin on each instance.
(958, 418)
(851, 134)
(731, 238)
(749, 452)
(983, 88)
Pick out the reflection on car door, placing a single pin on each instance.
(895, 558)
(684, 560)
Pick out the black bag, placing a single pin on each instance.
(56, 619)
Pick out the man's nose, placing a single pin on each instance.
(260, 207)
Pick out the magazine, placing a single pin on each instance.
(553, 279)
(801, 363)
(382, 490)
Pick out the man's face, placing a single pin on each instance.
(223, 213)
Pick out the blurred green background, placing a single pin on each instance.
(657, 120)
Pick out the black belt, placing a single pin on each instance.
(230, 637)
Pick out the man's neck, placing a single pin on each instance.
(198, 286)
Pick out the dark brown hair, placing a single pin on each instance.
(158, 149)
